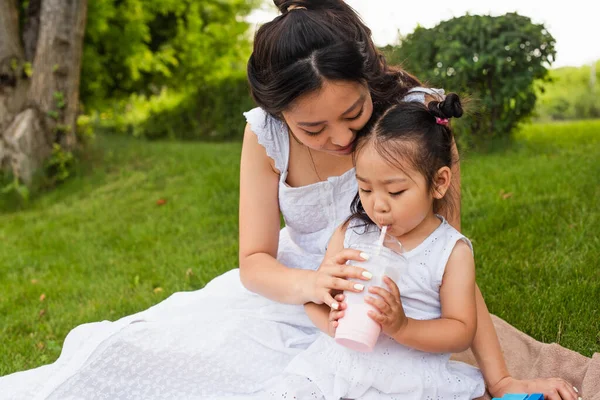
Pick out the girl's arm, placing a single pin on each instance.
(319, 315)
(260, 272)
(454, 331)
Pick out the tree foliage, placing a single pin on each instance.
(142, 46)
(495, 60)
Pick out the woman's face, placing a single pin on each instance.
(327, 120)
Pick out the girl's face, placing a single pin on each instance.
(399, 198)
(327, 120)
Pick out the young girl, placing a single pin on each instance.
(403, 168)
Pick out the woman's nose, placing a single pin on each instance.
(342, 136)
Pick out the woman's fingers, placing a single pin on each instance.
(350, 254)
(333, 283)
(566, 391)
(560, 390)
(330, 301)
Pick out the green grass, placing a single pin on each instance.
(100, 247)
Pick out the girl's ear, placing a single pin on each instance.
(441, 182)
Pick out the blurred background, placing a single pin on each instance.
(120, 137)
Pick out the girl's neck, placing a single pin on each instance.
(413, 238)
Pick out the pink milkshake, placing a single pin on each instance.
(356, 330)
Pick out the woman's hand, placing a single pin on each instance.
(551, 388)
(336, 315)
(390, 313)
(332, 277)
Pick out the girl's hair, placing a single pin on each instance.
(415, 135)
(313, 41)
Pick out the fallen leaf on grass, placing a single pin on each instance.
(161, 202)
(158, 289)
(42, 297)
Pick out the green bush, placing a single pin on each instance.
(496, 60)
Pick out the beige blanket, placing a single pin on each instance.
(527, 358)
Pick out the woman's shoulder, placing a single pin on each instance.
(271, 134)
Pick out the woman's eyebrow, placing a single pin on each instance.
(310, 123)
(356, 103)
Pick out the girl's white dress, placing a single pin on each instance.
(391, 370)
(220, 342)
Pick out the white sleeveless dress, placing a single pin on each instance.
(215, 343)
(391, 370)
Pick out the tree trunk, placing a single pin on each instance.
(38, 111)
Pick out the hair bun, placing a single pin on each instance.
(450, 107)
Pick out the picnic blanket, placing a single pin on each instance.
(527, 358)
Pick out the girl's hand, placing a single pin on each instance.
(331, 277)
(552, 388)
(335, 315)
(390, 313)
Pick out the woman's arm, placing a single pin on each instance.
(486, 347)
(490, 360)
(259, 222)
(260, 271)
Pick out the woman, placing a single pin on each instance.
(318, 79)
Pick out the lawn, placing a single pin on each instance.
(145, 219)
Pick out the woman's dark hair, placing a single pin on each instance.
(313, 41)
(412, 134)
